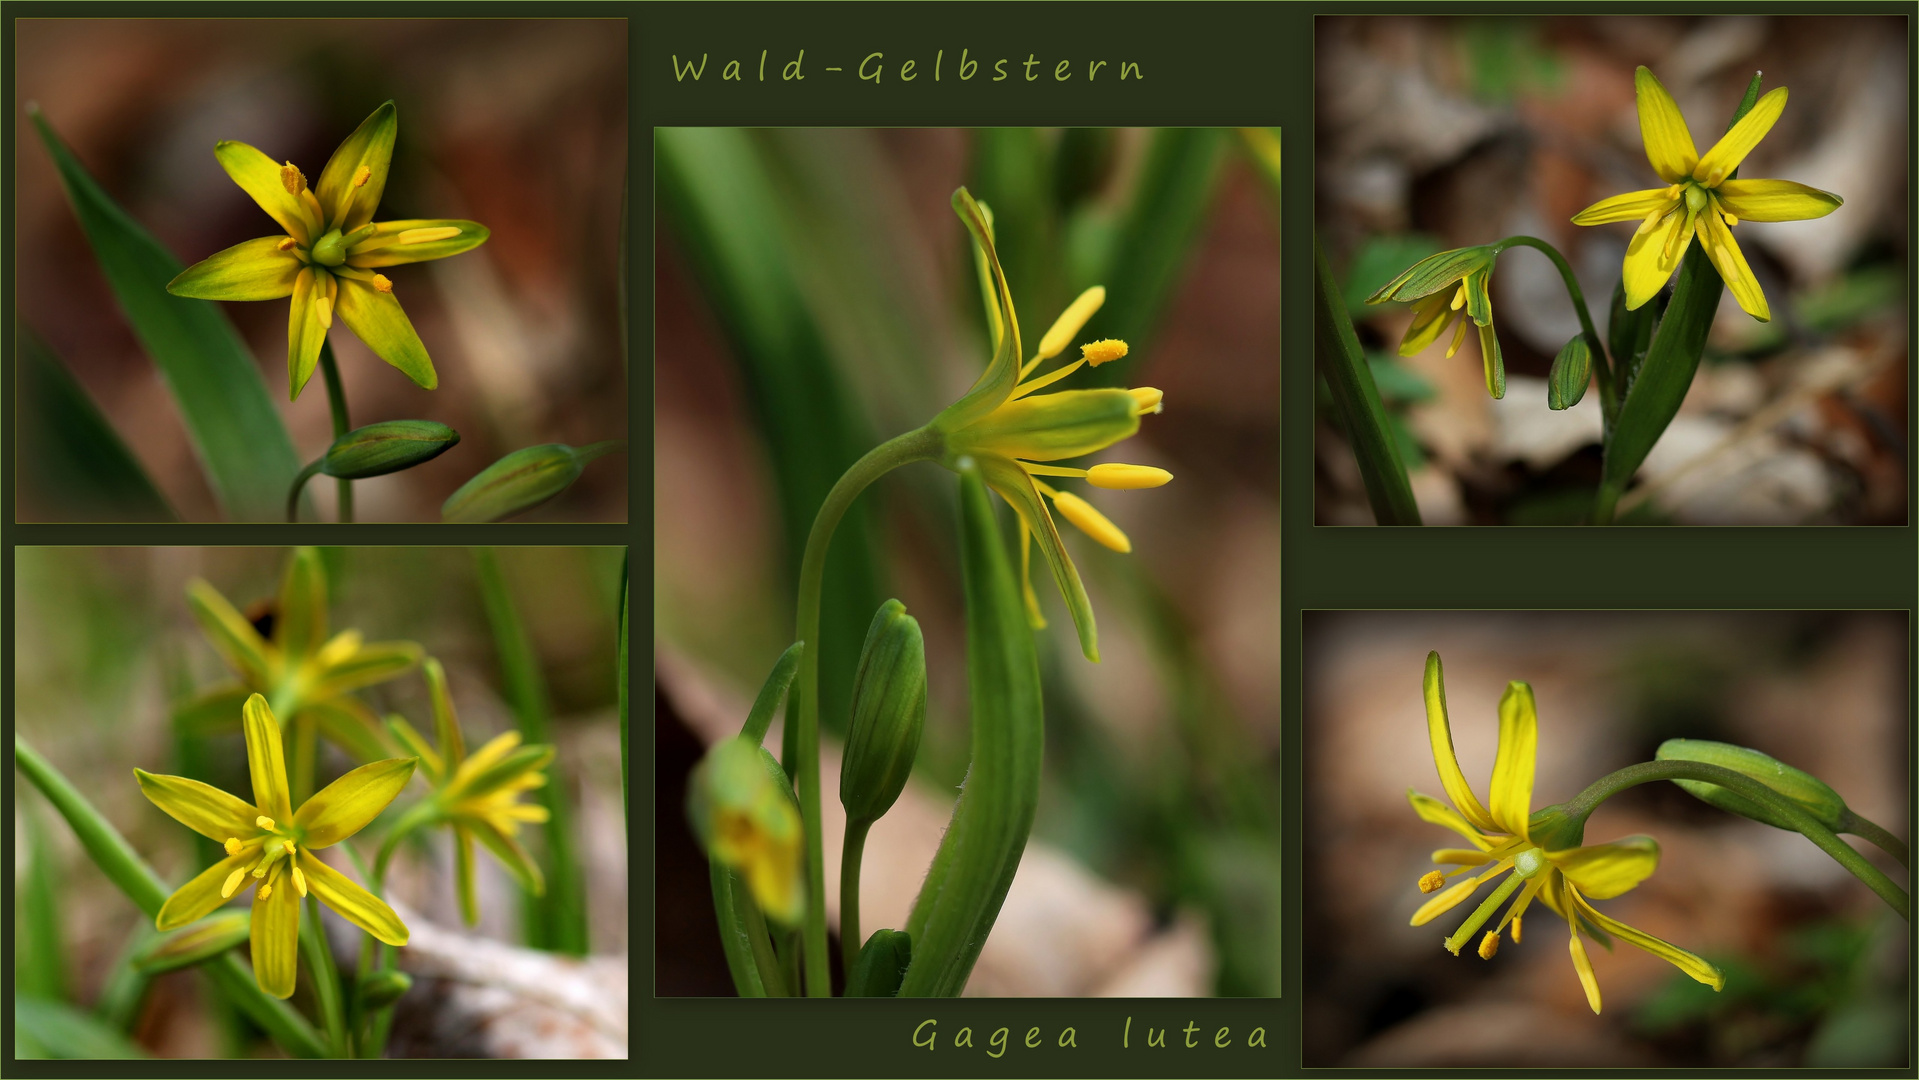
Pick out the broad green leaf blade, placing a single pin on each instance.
(236, 432)
(73, 465)
(980, 852)
(39, 962)
(62, 1031)
(556, 920)
(1367, 429)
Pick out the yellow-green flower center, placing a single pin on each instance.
(272, 842)
(330, 250)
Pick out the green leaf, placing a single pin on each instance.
(40, 968)
(1357, 398)
(1629, 333)
(882, 964)
(980, 852)
(236, 432)
(62, 1031)
(73, 465)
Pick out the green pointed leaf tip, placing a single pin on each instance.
(1801, 787)
(889, 713)
(192, 944)
(1572, 370)
(521, 481)
(387, 447)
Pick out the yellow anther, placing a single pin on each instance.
(233, 882)
(1652, 219)
(1102, 352)
(1515, 929)
(1091, 521)
(1146, 399)
(360, 176)
(1432, 882)
(1674, 192)
(299, 881)
(1126, 477)
(323, 310)
(381, 284)
(1731, 220)
(292, 178)
(1459, 298)
(1069, 323)
(1488, 945)
(233, 845)
(285, 245)
(264, 822)
(288, 844)
(266, 891)
(1459, 336)
(427, 236)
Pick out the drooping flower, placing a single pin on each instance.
(289, 657)
(743, 809)
(270, 844)
(1539, 852)
(1701, 199)
(329, 258)
(477, 796)
(1452, 287)
(1012, 432)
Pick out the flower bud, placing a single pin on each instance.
(383, 988)
(520, 481)
(889, 712)
(1803, 788)
(746, 816)
(385, 447)
(1572, 370)
(190, 945)
(881, 965)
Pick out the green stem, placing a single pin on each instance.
(326, 979)
(1602, 368)
(1876, 836)
(851, 851)
(299, 485)
(1368, 431)
(920, 444)
(336, 402)
(1739, 783)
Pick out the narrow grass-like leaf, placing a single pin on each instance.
(39, 962)
(557, 920)
(73, 465)
(625, 604)
(62, 1031)
(132, 876)
(980, 852)
(126, 986)
(230, 418)
(1367, 430)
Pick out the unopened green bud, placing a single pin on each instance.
(1572, 370)
(383, 988)
(192, 944)
(520, 481)
(386, 447)
(881, 965)
(889, 712)
(747, 817)
(1803, 788)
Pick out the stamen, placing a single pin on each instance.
(285, 245)
(1731, 220)
(266, 891)
(1515, 929)
(1060, 334)
(1488, 945)
(1091, 521)
(1103, 351)
(1676, 190)
(288, 844)
(264, 822)
(1146, 399)
(233, 845)
(1459, 298)
(1117, 477)
(1459, 336)
(233, 882)
(1432, 882)
(299, 881)
(292, 178)
(360, 176)
(427, 236)
(1029, 385)
(323, 309)
(381, 284)
(1651, 222)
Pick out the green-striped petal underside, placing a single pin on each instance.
(253, 270)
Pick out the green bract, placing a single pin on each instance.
(889, 712)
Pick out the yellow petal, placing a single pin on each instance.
(259, 176)
(373, 662)
(1584, 966)
(276, 933)
(1734, 145)
(254, 270)
(350, 725)
(1603, 871)
(350, 803)
(306, 330)
(1775, 200)
(1002, 374)
(203, 808)
(231, 635)
(1652, 256)
(1632, 206)
(1669, 145)
(349, 205)
(382, 324)
(1434, 812)
(266, 759)
(1698, 969)
(300, 624)
(1091, 522)
(516, 859)
(1431, 316)
(1070, 322)
(201, 895)
(1014, 485)
(1439, 731)
(1512, 789)
(424, 239)
(1726, 257)
(1494, 364)
(355, 904)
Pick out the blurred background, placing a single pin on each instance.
(106, 644)
(815, 295)
(520, 125)
(1815, 963)
(1436, 133)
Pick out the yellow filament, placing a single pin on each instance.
(1432, 882)
(1117, 477)
(1091, 521)
(233, 845)
(1069, 323)
(1651, 221)
(292, 178)
(1488, 945)
(1146, 399)
(233, 882)
(1675, 191)
(313, 207)
(360, 176)
(1103, 352)
(299, 879)
(427, 236)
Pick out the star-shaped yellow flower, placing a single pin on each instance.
(1541, 849)
(1011, 431)
(1701, 199)
(327, 260)
(270, 844)
(1452, 286)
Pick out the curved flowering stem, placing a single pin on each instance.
(1612, 784)
(1608, 399)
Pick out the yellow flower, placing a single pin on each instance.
(478, 795)
(327, 260)
(1541, 849)
(1442, 288)
(1701, 199)
(1011, 432)
(288, 656)
(743, 809)
(270, 844)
